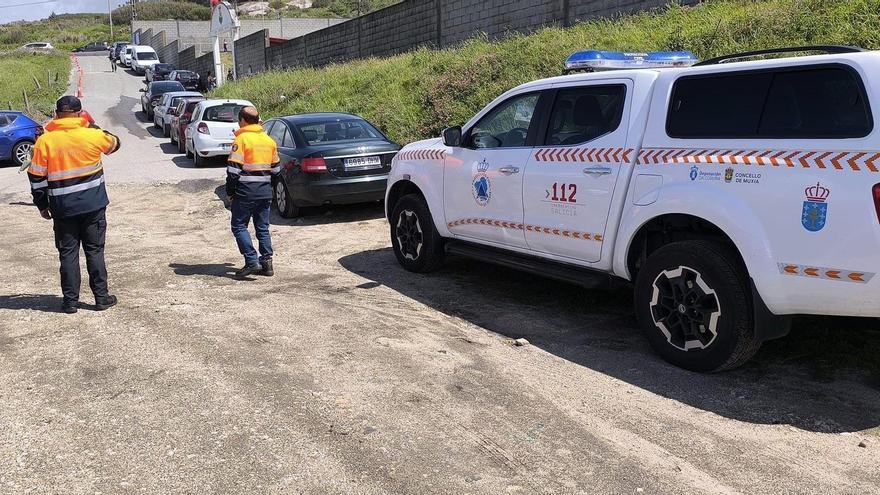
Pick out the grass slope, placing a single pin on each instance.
(415, 95)
(65, 32)
(16, 76)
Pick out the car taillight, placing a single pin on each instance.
(313, 165)
(876, 192)
(203, 128)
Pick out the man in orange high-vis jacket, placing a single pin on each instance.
(253, 164)
(67, 182)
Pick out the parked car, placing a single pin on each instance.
(180, 119)
(733, 194)
(18, 133)
(188, 78)
(142, 58)
(116, 50)
(163, 112)
(159, 72)
(329, 158)
(92, 47)
(212, 129)
(126, 51)
(154, 91)
(42, 46)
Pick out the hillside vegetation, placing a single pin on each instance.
(159, 11)
(17, 73)
(65, 31)
(415, 95)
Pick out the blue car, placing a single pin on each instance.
(18, 133)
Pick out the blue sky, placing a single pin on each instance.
(13, 10)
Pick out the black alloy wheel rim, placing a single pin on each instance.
(409, 235)
(685, 308)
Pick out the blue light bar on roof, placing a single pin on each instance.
(595, 60)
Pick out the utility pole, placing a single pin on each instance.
(110, 11)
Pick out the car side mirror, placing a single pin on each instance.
(143, 90)
(452, 136)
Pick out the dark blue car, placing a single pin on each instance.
(18, 133)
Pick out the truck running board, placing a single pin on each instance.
(559, 271)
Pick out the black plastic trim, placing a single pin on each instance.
(828, 49)
(768, 326)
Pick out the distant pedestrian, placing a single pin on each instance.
(112, 64)
(67, 183)
(252, 166)
(210, 82)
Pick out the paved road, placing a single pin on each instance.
(113, 99)
(346, 375)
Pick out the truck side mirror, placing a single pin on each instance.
(452, 136)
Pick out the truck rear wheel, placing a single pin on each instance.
(693, 303)
(417, 244)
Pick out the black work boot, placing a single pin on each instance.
(103, 303)
(248, 270)
(267, 270)
(70, 307)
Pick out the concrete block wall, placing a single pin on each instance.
(395, 29)
(399, 28)
(462, 19)
(169, 53)
(250, 53)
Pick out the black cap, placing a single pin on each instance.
(68, 104)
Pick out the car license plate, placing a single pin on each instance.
(363, 163)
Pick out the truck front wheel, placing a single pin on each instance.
(693, 302)
(417, 244)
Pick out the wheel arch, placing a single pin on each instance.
(398, 190)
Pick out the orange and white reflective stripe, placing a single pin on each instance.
(825, 273)
(60, 191)
(236, 157)
(571, 234)
(73, 173)
(38, 170)
(852, 161)
(426, 154)
(584, 155)
(256, 167)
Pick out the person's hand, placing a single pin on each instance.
(46, 214)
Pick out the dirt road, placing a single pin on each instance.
(346, 375)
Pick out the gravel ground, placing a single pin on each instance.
(344, 374)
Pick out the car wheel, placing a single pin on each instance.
(693, 302)
(283, 201)
(189, 153)
(417, 244)
(21, 152)
(198, 160)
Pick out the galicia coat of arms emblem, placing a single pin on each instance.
(482, 186)
(815, 211)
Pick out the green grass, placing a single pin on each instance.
(415, 95)
(65, 32)
(17, 71)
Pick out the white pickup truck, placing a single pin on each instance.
(733, 193)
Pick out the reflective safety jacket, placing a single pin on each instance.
(252, 164)
(66, 172)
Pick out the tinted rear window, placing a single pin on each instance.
(163, 68)
(146, 56)
(222, 113)
(812, 103)
(337, 131)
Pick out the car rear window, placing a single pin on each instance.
(187, 76)
(228, 112)
(165, 87)
(335, 131)
(163, 67)
(819, 102)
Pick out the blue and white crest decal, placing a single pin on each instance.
(482, 186)
(815, 212)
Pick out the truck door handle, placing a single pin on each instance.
(509, 170)
(597, 170)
